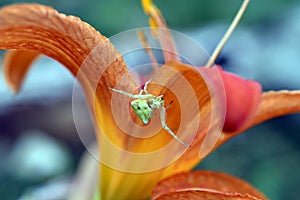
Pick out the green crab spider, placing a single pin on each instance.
(144, 105)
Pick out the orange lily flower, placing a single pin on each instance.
(131, 166)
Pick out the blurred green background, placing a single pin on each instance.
(265, 47)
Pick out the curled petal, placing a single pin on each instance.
(33, 27)
(242, 100)
(247, 106)
(205, 184)
(68, 40)
(242, 97)
(15, 66)
(64, 38)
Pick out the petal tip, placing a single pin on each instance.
(242, 100)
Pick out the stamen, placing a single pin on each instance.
(147, 5)
(148, 49)
(228, 33)
(161, 31)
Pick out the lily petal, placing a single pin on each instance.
(272, 105)
(195, 194)
(242, 100)
(242, 97)
(16, 64)
(204, 184)
(66, 39)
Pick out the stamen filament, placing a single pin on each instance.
(148, 48)
(161, 31)
(227, 33)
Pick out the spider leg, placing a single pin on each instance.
(141, 92)
(165, 126)
(122, 92)
(146, 85)
(133, 96)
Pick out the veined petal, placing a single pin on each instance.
(64, 38)
(274, 104)
(196, 194)
(204, 184)
(70, 41)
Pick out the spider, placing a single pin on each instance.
(144, 104)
